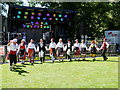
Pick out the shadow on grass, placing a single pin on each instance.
(37, 63)
(106, 61)
(22, 65)
(27, 64)
(20, 71)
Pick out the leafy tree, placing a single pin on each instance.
(98, 16)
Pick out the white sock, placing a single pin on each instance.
(8, 61)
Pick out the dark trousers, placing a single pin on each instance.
(69, 57)
(13, 59)
(103, 54)
(42, 59)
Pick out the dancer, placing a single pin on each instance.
(104, 46)
(60, 48)
(69, 49)
(83, 49)
(31, 48)
(8, 52)
(77, 49)
(93, 47)
(52, 48)
(41, 50)
(13, 52)
(22, 51)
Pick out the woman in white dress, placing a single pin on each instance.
(83, 49)
(60, 48)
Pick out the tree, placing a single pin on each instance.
(98, 16)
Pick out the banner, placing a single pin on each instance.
(2, 51)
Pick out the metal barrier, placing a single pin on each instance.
(110, 51)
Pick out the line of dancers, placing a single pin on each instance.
(56, 50)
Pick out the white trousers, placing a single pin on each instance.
(51, 55)
(41, 54)
(68, 52)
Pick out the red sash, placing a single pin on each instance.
(12, 52)
(104, 46)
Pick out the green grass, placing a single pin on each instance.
(76, 74)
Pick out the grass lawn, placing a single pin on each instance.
(76, 74)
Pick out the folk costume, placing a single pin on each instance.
(22, 51)
(93, 48)
(104, 47)
(13, 53)
(31, 48)
(69, 49)
(52, 48)
(41, 50)
(60, 48)
(83, 48)
(8, 52)
(76, 49)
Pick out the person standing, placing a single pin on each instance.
(8, 52)
(104, 46)
(77, 49)
(83, 49)
(60, 48)
(30, 49)
(93, 48)
(13, 52)
(41, 50)
(69, 49)
(22, 51)
(52, 48)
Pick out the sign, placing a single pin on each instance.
(2, 51)
(113, 36)
(112, 33)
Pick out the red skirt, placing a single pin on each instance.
(8, 58)
(30, 53)
(78, 52)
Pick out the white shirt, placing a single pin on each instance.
(95, 47)
(8, 48)
(60, 45)
(52, 45)
(13, 47)
(83, 45)
(31, 46)
(76, 45)
(41, 44)
(68, 44)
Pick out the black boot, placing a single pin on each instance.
(41, 60)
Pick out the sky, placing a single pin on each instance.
(25, 2)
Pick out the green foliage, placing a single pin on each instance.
(98, 16)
